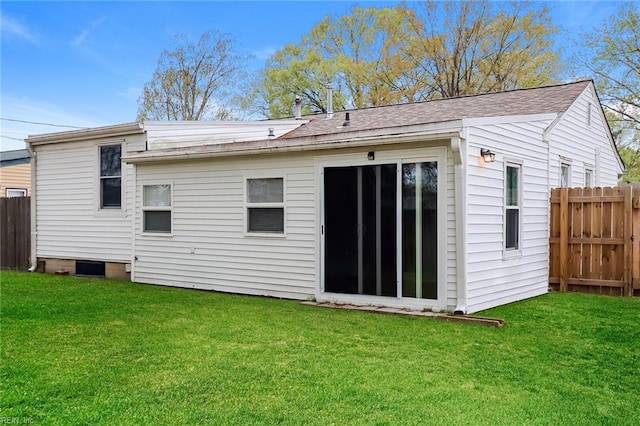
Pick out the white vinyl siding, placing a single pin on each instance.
(493, 278)
(209, 248)
(584, 144)
(69, 221)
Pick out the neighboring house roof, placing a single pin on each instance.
(550, 99)
(10, 158)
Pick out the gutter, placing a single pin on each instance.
(34, 233)
(86, 134)
(285, 145)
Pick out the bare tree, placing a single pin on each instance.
(195, 81)
(467, 47)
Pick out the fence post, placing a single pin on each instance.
(628, 243)
(635, 235)
(564, 238)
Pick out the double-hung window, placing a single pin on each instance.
(512, 206)
(156, 209)
(110, 177)
(588, 177)
(565, 175)
(265, 205)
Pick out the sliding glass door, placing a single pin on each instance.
(360, 230)
(420, 230)
(376, 218)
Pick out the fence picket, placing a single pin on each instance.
(594, 240)
(15, 233)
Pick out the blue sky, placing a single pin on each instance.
(84, 63)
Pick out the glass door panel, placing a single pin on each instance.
(341, 230)
(419, 230)
(360, 229)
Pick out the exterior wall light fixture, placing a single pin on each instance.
(487, 156)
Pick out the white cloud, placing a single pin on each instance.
(11, 27)
(81, 38)
(264, 53)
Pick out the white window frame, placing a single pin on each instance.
(588, 171)
(156, 208)
(17, 192)
(512, 252)
(247, 205)
(564, 165)
(109, 211)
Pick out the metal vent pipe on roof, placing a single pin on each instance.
(347, 120)
(329, 100)
(298, 108)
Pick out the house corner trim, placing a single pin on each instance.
(458, 149)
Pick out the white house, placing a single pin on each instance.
(391, 206)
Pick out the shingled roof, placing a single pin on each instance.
(549, 99)
(10, 158)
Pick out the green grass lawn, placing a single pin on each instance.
(91, 351)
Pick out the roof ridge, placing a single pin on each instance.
(520, 89)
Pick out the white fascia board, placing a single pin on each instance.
(407, 134)
(86, 134)
(603, 117)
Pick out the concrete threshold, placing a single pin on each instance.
(465, 319)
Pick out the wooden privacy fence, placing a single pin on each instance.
(595, 240)
(15, 233)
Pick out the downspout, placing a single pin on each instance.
(34, 233)
(133, 212)
(460, 169)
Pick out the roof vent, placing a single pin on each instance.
(329, 100)
(298, 107)
(271, 134)
(347, 120)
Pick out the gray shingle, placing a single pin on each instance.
(550, 99)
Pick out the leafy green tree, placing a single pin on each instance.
(404, 54)
(613, 58)
(195, 81)
(631, 158)
(615, 62)
(360, 54)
